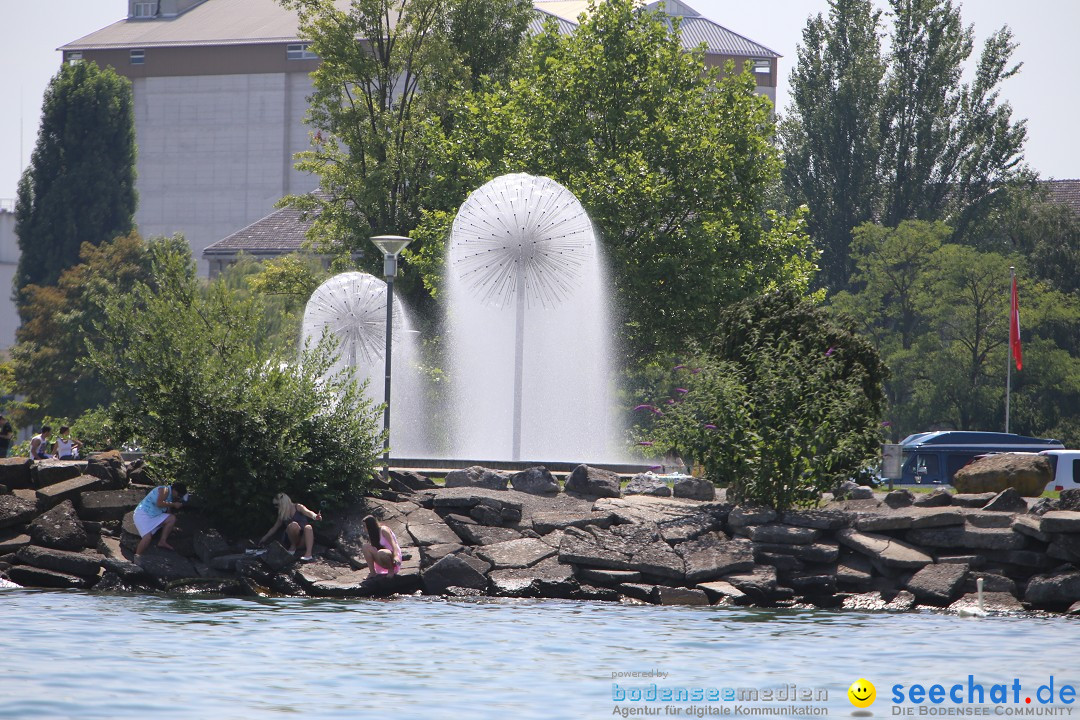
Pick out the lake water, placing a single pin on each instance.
(81, 655)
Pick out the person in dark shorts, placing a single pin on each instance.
(6, 435)
(296, 521)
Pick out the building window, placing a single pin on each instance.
(144, 10)
(300, 51)
(138, 57)
(762, 67)
(74, 58)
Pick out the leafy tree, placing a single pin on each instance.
(194, 380)
(832, 136)
(938, 314)
(60, 320)
(785, 405)
(80, 185)
(672, 162)
(941, 149)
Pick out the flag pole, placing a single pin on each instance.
(1009, 353)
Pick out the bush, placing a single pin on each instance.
(196, 381)
(785, 406)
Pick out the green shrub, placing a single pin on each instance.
(197, 381)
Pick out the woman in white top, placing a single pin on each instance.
(67, 447)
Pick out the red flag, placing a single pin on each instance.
(1014, 328)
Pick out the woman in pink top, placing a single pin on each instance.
(382, 553)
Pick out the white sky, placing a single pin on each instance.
(1047, 91)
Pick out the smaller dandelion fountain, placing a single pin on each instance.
(352, 308)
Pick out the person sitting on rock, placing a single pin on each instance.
(296, 519)
(39, 444)
(153, 513)
(381, 552)
(67, 447)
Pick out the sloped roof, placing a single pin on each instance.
(248, 22)
(214, 22)
(279, 233)
(1066, 192)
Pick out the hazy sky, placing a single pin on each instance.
(1046, 92)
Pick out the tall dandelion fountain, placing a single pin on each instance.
(529, 326)
(352, 308)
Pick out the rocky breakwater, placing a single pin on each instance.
(521, 535)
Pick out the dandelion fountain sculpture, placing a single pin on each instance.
(529, 326)
(352, 308)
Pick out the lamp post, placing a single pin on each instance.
(391, 246)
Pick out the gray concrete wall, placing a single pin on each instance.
(9, 261)
(216, 152)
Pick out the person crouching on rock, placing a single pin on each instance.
(382, 553)
(296, 519)
(153, 513)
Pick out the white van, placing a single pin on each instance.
(1066, 465)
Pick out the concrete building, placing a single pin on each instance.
(9, 263)
(220, 92)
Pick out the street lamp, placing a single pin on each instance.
(391, 246)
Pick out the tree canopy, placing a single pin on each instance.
(80, 184)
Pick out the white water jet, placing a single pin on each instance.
(352, 308)
(529, 327)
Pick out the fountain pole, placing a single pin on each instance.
(519, 357)
(391, 245)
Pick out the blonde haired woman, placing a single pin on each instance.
(296, 519)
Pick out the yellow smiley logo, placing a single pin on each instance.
(862, 693)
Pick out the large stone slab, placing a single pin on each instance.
(719, 591)
(431, 554)
(30, 576)
(15, 473)
(744, 515)
(855, 572)
(59, 528)
(624, 547)
(110, 467)
(607, 577)
(52, 495)
(712, 556)
(913, 517)
(546, 522)
(938, 584)
(1030, 525)
(432, 533)
(1060, 521)
(694, 489)
(165, 565)
(782, 534)
(50, 472)
(972, 500)
(522, 553)
(1008, 500)
(83, 564)
(548, 579)
(15, 511)
(108, 504)
(452, 571)
(688, 527)
(476, 477)
(663, 595)
(817, 519)
(888, 551)
(593, 482)
(13, 541)
(484, 535)
(760, 584)
(323, 579)
(823, 551)
(968, 537)
(647, 484)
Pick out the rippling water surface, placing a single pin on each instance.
(79, 655)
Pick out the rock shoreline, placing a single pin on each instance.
(68, 525)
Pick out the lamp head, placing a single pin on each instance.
(390, 245)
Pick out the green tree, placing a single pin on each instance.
(195, 381)
(672, 162)
(785, 405)
(832, 135)
(942, 149)
(59, 320)
(80, 184)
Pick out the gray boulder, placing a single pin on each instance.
(1063, 521)
(937, 498)
(1008, 500)
(478, 477)
(109, 466)
(593, 482)
(890, 552)
(782, 534)
(165, 565)
(30, 576)
(694, 488)
(965, 536)
(849, 490)
(57, 493)
(744, 515)
(663, 595)
(59, 528)
(108, 504)
(15, 473)
(938, 584)
(452, 571)
(547, 579)
(534, 481)
(522, 553)
(1053, 590)
(647, 484)
(712, 556)
(1028, 474)
(83, 564)
(1069, 499)
(972, 500)
(50, 472)
(899, 498)
(721, 591)
(14, 511)
(412, 480)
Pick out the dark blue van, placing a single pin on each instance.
(934, 457)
